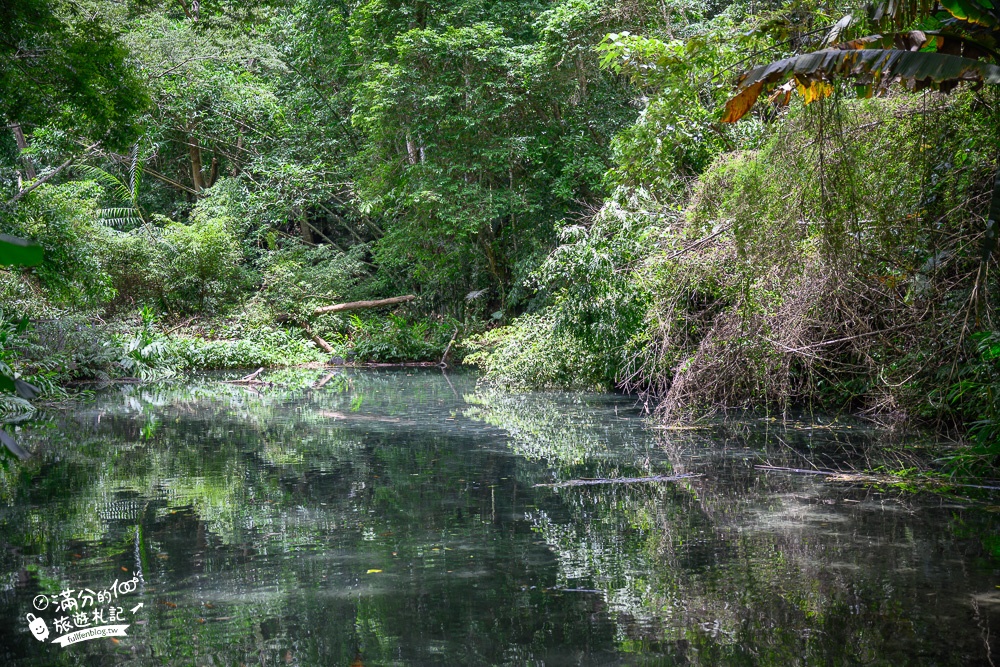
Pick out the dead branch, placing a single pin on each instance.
(326, 347)
(358, 305)
(325, 380)
(249, 379)
(182, 324)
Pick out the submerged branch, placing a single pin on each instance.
(618, 480)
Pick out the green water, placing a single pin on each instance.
(395, 517)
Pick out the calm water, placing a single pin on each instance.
(396, 517)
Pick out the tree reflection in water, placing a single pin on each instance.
(394, 514)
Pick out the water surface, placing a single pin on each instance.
(397, 517)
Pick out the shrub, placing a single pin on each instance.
(533, 353)
(394, 339)
(598, 301)
(298, 278)
(63, 219)
(181, 268)
(265, 347)
(201, 265)
(831, 268)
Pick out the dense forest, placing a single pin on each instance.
(780, 205)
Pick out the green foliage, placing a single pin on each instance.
(144, 354)
(180, 268)
(18, 252)
(975, 397)
(532, 353)
(65, 65)
(479, 135)
(63, 220)
(201, 264)
(396, 339)
(815, 266)
(297, 278)
(264, 346)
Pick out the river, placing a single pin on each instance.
(408, 517)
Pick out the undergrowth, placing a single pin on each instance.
(835, 268)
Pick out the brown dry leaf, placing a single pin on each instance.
(782, 94)
(741, 103)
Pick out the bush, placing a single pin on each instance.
(201, 264)
(393, 339)
(265, 347)
(181, 268)
(598, 301)
(63, 219)
(133, 260)
(299, 278)
(828, 269)
(532, 353)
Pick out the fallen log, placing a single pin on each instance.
(326, 347)
(797, 471)
(358, 305)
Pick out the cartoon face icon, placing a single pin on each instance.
(38, 627)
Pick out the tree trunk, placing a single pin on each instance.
(22, 145)
(194, 150)
(304, 230)
(213, 172)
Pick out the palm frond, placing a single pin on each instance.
(114, 184)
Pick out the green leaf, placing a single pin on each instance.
(7, 384)
(25, 390)
(18, 252)
(972, 12)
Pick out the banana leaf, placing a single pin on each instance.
(25, 390)
(921, 68)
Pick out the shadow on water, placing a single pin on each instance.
(395, 516)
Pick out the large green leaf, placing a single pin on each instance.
(25, 390)
(904, 12)
(921, 68)
(12, 445)
(980, 13)
(18, 252)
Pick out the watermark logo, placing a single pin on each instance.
(38, 627)
(88, 614)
